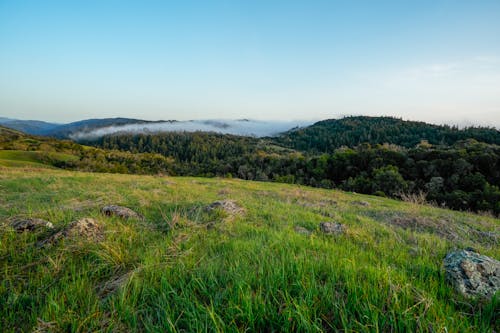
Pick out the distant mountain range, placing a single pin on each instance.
(321, 137)
(95, 128)
(42, 128)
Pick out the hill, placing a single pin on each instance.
(328, 135)
(91, 129)
(64, 131)
(34, 127)
(264, 267)
(19, 149)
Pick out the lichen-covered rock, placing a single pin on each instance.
(86, 228)
(121, 212)
(332, 228)
(472, 274)
(228, 206)
(30, 224)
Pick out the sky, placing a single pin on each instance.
(436, 61)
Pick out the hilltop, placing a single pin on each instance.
(266, 267)
(328, 135)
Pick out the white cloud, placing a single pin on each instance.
(237, 127)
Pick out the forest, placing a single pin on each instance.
(448, 166)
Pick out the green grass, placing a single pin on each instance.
(249, 273)
(36, 159)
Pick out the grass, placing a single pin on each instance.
(248, 273)
(37, 159)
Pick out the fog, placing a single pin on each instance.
(255, 128)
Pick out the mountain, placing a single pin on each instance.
(35, 127)
(328, 135)
(91, 129)
(89, 125)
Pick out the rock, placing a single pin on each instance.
(121, 212)
(361, 203)
(30, 224)
(472, 274)
(302, 230)
(228, 206)
(86, 228)
(332, 228)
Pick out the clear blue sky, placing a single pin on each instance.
(431, 60)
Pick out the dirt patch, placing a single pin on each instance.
(445, 228)
(440, 227)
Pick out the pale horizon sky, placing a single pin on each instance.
(434, 61)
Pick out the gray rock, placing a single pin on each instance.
(121, 212)
(30, 224)
(228, 206)
(86, 228)
(361, 203)
(332, 228)
(472, 274)
(302, 230)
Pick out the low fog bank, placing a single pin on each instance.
(256, 128)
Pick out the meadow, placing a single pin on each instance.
(184, 269)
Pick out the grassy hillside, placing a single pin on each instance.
(19, 149)
(185, 269)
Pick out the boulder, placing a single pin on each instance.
(361, 203)
(121, 212)
(332, 228)
(86, 228)
(472, 274)
(30, 224)
(228, 206)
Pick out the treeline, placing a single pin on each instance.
(465, 175)
(328, 135)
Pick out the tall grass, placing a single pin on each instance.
(172, 273)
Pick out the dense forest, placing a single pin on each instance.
(327, 135)
(464, 175)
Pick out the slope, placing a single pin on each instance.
(184, 268)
